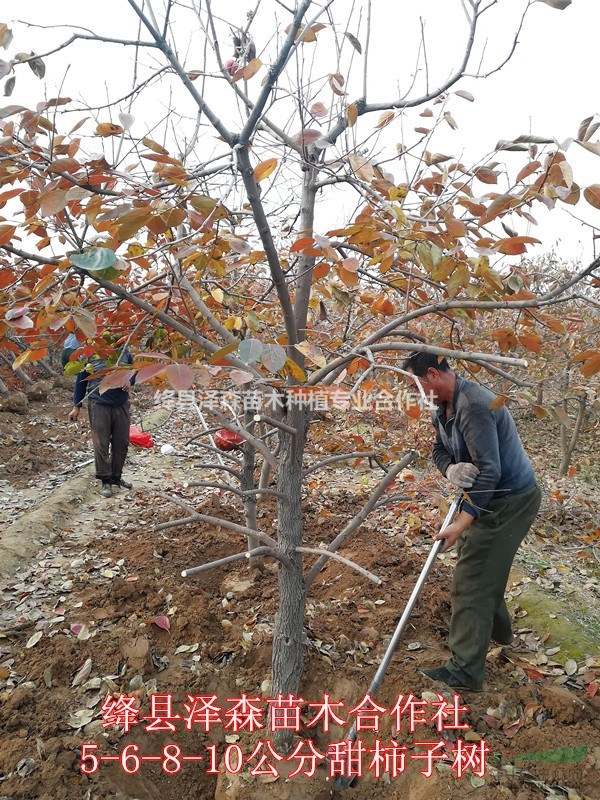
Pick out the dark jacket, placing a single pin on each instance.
(89, 385)
(487, 438)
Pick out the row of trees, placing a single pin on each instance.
(226, 261)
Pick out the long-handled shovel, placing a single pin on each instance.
(344, 782)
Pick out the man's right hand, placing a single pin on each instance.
(73, 416)
(462, 474)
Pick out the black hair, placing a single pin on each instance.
(419, 363)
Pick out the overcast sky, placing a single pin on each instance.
(546, 89)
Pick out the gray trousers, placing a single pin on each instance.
(486, 552)
(110, 436)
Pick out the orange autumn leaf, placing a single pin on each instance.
(302, 244)
(499, 402)
(532, 341)
(109, 129)
(527, 170)
(264, 169)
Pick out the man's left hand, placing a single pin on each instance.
(451, 535)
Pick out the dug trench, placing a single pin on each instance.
(103, 609)
(113, 593)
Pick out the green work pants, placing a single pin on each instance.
(486, 552)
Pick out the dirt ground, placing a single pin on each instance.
(101, 608)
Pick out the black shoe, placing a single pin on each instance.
(443, 675)
(504, 641)
(106, 490)
(121, 483)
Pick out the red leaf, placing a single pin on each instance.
(513, 729)
(162, 622)
(149, 371)
(491, 722)
(592, 689)
(7, 276)
(180, 376)
(318, 110)
(116, 380)
(534, 675)
(306, 137)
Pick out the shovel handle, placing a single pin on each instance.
(345, 781)
(391, 649)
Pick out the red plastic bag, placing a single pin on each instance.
(139, 438)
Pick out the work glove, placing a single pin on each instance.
(462, 474)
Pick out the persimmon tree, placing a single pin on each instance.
(284, 242)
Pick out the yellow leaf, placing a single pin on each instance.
(347, 276)
(264, 169)
(361, 168)
(135, 250)
(312, 353)
(218, 295)
(108, 129)
(398, 192)
(224, 351)
(152, 145)
(295, 370)
(22, 359)
(352, 114)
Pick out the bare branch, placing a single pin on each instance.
(174, 61)
(366, 50)
(217, 521)
(366, 108)
(326, 554)
(227, 488)
(235, 472)
(410, 347)
(92, 38)
(358, 520)
(273, 75)
(275, 552)
(266, 236)
(342, 457)
(512, 49)
(276, 424)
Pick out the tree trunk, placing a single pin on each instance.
(246, 484)
(48, 369)
(288, 636)
(569, 446)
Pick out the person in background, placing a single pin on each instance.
(478, 449)
(71, 344)
(109, 415)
